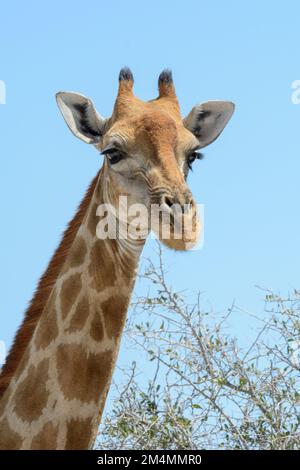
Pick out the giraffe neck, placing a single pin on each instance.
(56, 397)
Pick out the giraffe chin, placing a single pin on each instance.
(187, 242)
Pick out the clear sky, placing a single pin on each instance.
(247, 52)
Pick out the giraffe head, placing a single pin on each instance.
(149, 149)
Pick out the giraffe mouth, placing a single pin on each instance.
(178, 230)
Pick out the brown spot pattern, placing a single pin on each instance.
(96, 330)
(69, 292)
(46, 439)
(114, 313)
(93, 219)
(79, 434)
(31, 394)
(102, 268)
(78, 252)
(43, 291)
(23, 363)
(47, 329)
(80, 316)
(83, 375)
(2, 406)
(9, 439)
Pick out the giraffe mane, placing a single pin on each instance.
(43, 290)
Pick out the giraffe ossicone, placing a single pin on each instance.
(56, 377)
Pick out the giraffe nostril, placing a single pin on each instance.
(168, 201)
(185, 202)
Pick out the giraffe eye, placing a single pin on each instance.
(114, 156)
(196, 155)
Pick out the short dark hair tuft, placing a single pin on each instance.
(125, 74)
(166, 77)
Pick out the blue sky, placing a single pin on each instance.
(247, 52)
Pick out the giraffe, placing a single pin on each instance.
(54, 383)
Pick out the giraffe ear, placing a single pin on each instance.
(207, 120)
(81, 116)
